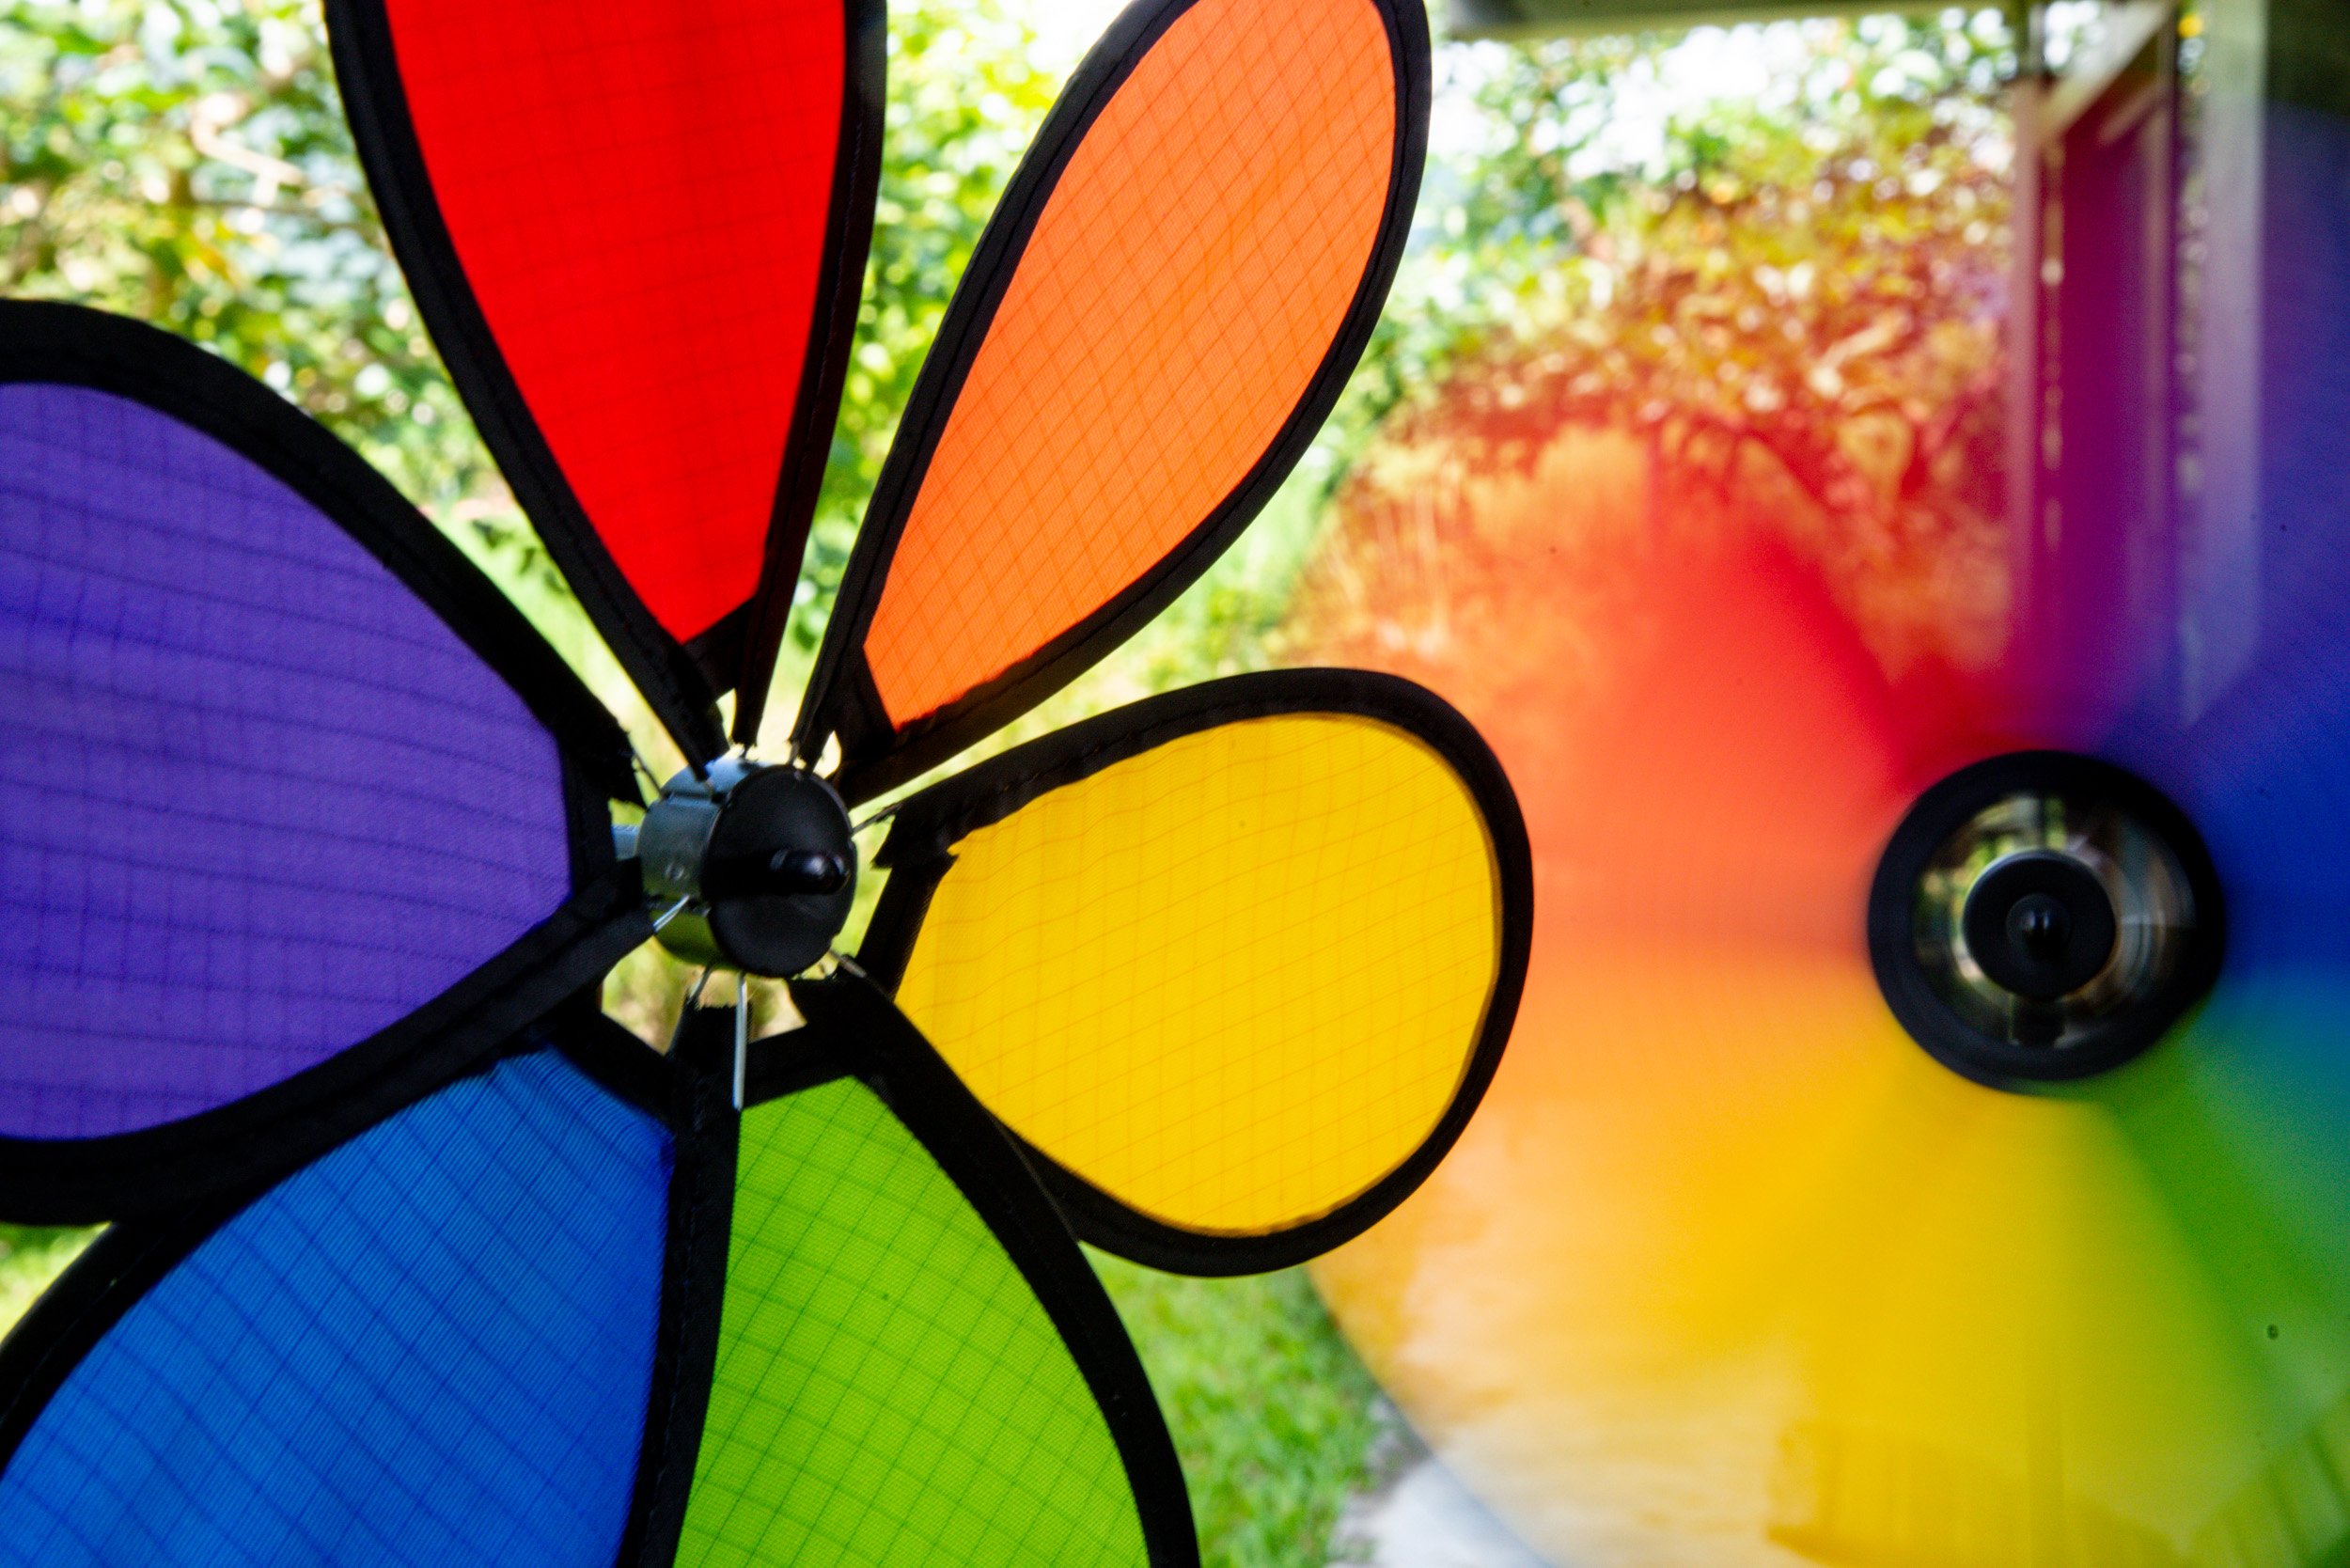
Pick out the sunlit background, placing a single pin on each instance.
(1768, 419)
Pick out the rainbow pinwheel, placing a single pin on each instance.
(313, 878)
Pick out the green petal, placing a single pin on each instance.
(888, 1390)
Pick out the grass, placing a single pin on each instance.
(1274, 1420)
(30, 1257)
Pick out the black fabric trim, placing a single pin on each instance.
(839, 286)
(898, 915)
(588, 821)
(718, 651)
(840, 696)
(72, 345)
(919, 851)
(79, 1181)
(781, 1067)
(66, 1323)
(862, 723)
(693, 1287)
(688, 1091)
(620, 1065)
(367, 67)
(853, 1028)
(85, 1181)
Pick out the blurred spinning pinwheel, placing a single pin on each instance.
(313, 878)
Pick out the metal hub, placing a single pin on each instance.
(2043, 917)
(2038, 924)
(751, 867)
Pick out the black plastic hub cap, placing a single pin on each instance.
(2038, 924)
(781, 871)
(2043, 917)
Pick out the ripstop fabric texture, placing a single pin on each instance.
(1182, 287)
(432, 1346)
(1232, 981)
(639, 197)
(888, 1390)
(267, 802)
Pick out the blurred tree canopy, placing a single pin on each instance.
(1766, 267)
(188, 163)
(1804, 290)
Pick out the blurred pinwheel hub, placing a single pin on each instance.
(2039, 924)
(2041, 915)
(750, 866)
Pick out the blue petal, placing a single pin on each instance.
(430, 1347)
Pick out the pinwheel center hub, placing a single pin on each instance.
(2039, 924)
(749, 867)
(2043, 917)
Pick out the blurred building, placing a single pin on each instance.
(2182, 303)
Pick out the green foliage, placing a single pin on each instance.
(1782, 272)
(30, 1257)
(187, 163)
(1794, 301)
(1271, 1414)
(964, 99)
